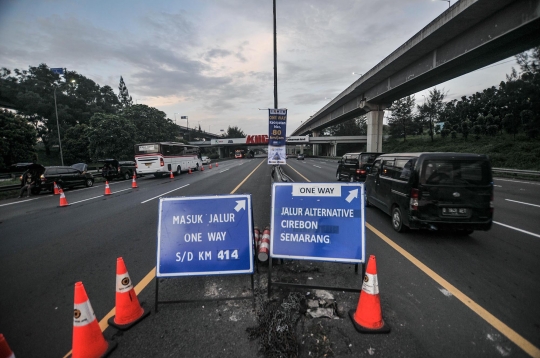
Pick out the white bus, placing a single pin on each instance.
(161, 158)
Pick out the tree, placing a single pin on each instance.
(17, 139)
(531, 123)
(123, 95)
(511, 124)
(75, 144)
(430, 111)
(400, 121)
(152, 124)
(234, 132)
(111, 136)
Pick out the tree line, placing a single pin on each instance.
(94, 122)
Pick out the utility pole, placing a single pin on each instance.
(275, 60)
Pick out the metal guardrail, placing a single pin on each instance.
(515, 171)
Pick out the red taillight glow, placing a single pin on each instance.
(161, 162)
(362, 172)
(415, 195)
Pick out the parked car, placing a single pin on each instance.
(35, 169)
(114, 169)
(300, 156)
(437, 191)
(206, 160)
(354, 166)
(64, 176)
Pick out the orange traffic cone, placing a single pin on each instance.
(210, 167)
(128, 310)
(56, 191)
(368, 316)
(216, 165)
(171, 176)
(88, 340)
(107, 188)
(5, 351)
(63, 200)
(189, 171)
(134, 182)
(202, 168)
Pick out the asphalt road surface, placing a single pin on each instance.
(442, 295)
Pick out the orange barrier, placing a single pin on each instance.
(55, 188)
(134, 182)
(88, 340)
(128, 310)
(5, 351)
(257, 237)
(107, 188)
(264, 245)
(368, 316)
(171, 176)
(63, 200)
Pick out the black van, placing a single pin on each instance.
(354, 166)
(437, 191)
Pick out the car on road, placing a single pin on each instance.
(436, 191)
(114, 169)
(64, 176)
(300, 156)
(354, 166)
(205, 160)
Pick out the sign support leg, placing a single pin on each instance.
(156, 299)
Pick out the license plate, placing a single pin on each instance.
(455, 211)
(148, 164)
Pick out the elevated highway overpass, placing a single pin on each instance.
(469, 35)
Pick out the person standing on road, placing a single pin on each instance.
(28, 183)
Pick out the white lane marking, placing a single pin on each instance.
(18, 202)
(517, 181)
(159, 196)
(445, 292)
(521, 202)
(101, 196)
(317, 166)
(498, 186)
(224, 170)
(515, 228)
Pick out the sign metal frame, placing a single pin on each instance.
(245, 243)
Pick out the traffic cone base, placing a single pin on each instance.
(385, 328)
(124, 327)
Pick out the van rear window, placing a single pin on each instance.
(455, 172)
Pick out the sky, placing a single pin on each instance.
(212, 61)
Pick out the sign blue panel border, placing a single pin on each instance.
(318, 221)
(185, 227)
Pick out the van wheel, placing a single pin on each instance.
(89, 183)
(127, 176)
(338, 176)
(178, 170)
(397, 220)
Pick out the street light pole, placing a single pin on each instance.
(58, 127)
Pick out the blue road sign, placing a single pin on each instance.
(205, 235)
(318, 221)
(58, 70)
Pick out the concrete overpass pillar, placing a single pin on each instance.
(315, 147)
(374, 131)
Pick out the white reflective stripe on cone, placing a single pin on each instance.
(371, 284)
(123, 283)
(83, 314)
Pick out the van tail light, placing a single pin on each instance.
(360, 171)
(415, 195)
(161, 162)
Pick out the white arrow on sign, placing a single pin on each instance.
(353, 194)
(241, 204)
